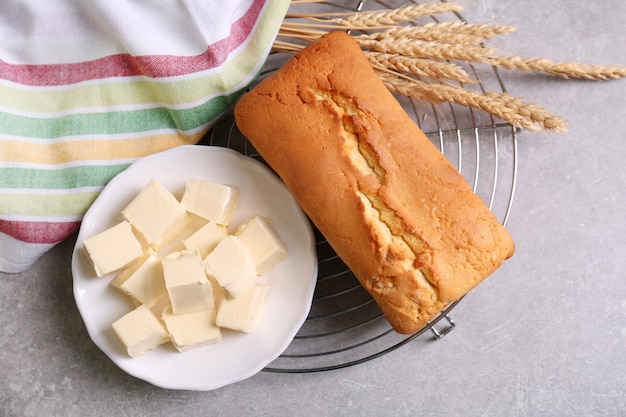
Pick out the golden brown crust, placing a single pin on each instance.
(393, 208)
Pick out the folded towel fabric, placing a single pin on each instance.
(86, 88)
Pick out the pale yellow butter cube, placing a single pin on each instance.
(244, 313)
(172, 241)
(210, 200)
(113, 248)
(192, 330)
(153, 212)
(139, 330)
(158, 306)
(265, 245)
(206, 238)
(188, 287)
(232, 266)
(144, 281)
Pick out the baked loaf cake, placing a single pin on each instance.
(393, 208)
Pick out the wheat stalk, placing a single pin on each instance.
(510, 109)
(420, 66)
(428, 49)
(286, 47)
(448, 32)
(403, 51)
(395, 16)
(559, 69)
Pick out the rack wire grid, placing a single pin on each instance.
(345, 327)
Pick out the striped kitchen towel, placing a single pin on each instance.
(86, 88)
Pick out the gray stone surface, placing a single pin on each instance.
(545, 336)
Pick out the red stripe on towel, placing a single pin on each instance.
(38, 232)
(125, 65)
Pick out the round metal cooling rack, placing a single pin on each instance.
(345, 326)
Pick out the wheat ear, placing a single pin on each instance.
(420, 66)
(559, 69)
(394, 16)
(447, 32)
(510, 109)
(428, 49)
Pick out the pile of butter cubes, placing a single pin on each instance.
(187, 276)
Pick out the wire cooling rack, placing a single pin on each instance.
(345, 327)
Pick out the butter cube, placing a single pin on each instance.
(209, 200)
(206, 238)
(244, 313)
(188, 287)
(191, 330)
(113, 248)
(265, 245)
(158, 306)
(143, 281)
(172, 240)
(218, 293)
(232, 266)
(153, 212)
(140, 331)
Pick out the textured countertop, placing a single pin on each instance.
(544, 336)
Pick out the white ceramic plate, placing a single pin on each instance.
(237, 356)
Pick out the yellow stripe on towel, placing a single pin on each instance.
(42, 153)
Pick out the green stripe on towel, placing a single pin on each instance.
(116, 122)
(60, 178)
(46, 205)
